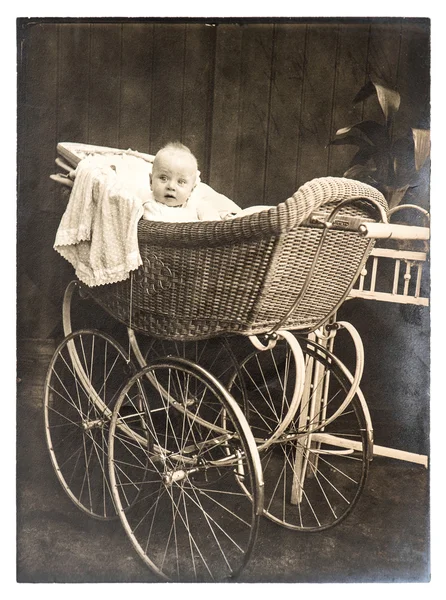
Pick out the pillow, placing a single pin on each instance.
(221, 203)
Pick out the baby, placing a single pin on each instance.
(173, 180)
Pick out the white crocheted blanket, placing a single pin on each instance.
(98, 232)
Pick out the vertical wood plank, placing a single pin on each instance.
(285, 107)
(74, 55)
(413, 78)
(105, 84)
(414, 87)
(350, 77)
(198, 88)
(40, 118)
(385, 40)
(136, 86)
(315, 125)
(72, 125)
(225, 113)
(383, 58)
(167, 88)
(257, 49)
(37, 204)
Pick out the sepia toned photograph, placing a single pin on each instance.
(223, 300)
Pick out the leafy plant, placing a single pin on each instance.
(392, 166)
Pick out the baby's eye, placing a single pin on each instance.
(182, 181)
(163, 178)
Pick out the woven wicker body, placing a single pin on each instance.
(241, 276)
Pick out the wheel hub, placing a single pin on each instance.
(95, 424)
(170, 477)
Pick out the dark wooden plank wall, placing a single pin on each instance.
(256, 102)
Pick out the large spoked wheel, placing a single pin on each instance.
(214, 354)
(315, 472)
(176, 468)
(84, 379)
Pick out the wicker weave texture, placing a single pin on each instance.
(241, 276)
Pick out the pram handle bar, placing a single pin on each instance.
(394, 232)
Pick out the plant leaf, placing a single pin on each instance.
(403, 164)
(375, 132)
(345, 130)
(395, 195)
(349, 140)
(362, 173)
(388, 99)
(364, 154)
(365, 92)
(422, 146)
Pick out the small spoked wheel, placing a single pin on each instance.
(179, 448)
(316, 470)
(84, 379)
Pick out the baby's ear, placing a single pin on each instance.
(150, 176)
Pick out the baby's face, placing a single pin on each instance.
(173, 177)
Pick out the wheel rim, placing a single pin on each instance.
(192, 521)
(84, 379)
(314, 475)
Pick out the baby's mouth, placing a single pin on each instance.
(171, 200)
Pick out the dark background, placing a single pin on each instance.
(257, 103)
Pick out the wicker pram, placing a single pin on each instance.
(242, 276)
(204, 438)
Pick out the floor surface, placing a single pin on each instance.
(385, 539)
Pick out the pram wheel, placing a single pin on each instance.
(176, 473)
(214, 354)
(84, 378)
(316, 470)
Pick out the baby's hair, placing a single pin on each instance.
(178, 146)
